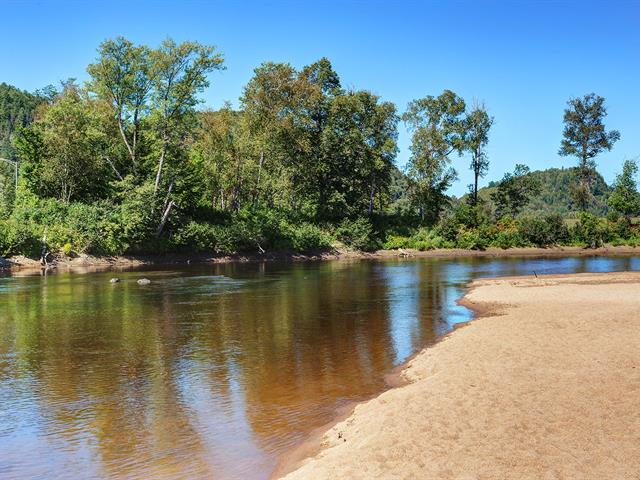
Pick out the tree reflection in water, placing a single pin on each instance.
(213, 371)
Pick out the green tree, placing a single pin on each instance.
(62, 149)
(585, 137)
(437, 126)
(225, 156)
(625, 198)
(272, 102)
(515, 190)
(476, 137)
(123, 76)
(180, 73)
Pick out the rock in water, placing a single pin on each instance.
(144, 281)
(114, 280)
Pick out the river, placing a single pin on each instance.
(213, 371)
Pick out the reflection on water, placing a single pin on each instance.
(213, 371)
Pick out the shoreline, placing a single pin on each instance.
(290, 461)
(17, 263)
(317, 449)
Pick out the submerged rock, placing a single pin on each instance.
(144, 281)
(114, 280)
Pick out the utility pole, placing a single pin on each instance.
(15, 166)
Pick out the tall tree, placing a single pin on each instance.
(123, 76)
(437, 126)
(62, 150)
(476, 137)
(271, 102)
(625, 198)
(180, 73)
(225, 155)
(515, 190)
(585, 137)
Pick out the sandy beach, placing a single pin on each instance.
(544, 384)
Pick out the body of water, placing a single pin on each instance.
(214, 371)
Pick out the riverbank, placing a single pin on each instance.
(133, 261)
(544, 385)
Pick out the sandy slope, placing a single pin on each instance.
(546, 386)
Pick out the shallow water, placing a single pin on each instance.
(214, 371)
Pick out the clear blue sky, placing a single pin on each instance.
(522, 59)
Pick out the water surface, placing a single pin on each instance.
(214, 371)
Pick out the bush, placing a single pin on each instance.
(194, 236)
(543, 230)
(507, 234)
(19, 238)
(357, 234)
(591, 230)
(67, 249)
(471, 240)
(308, 237)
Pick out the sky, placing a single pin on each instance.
(522, 59)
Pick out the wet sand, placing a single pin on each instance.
(545, 384)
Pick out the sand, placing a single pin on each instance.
(544, 385)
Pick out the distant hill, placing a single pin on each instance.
(555, 195)
(17, 109)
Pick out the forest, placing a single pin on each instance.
(132, 162)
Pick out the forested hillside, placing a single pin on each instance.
(556, 196)
(17, 109)
(131, 161)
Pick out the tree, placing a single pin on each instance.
(514, 191)
(585, 137)
(358, 145)
(437, 127)
(271, 102)
(123, 76)
(179, 75)
(225, 156)
(320, 148)
(476, 137)
(62, 150)
(625, 198)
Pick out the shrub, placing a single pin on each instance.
(308, 237)
(471, 240)
(506, 234)
(543, 230)
(591, 230)
(357, 234)
(19, 238)
(66, 249)
(395, 242)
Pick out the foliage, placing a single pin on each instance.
(515, 190)
(585, 137)
(591, 230)
(554, 194)
(543, 230)
(128, 163)
(472, 240)
(476, 137)
(422, 239)
(437, 127)
(357, 234)
(625, 198)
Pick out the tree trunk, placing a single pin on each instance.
(124, 139)
(256, 193)
(165, 216)
(475, 187)
(160, 165)
(371, 196)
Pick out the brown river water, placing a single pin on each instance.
(214, 371)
